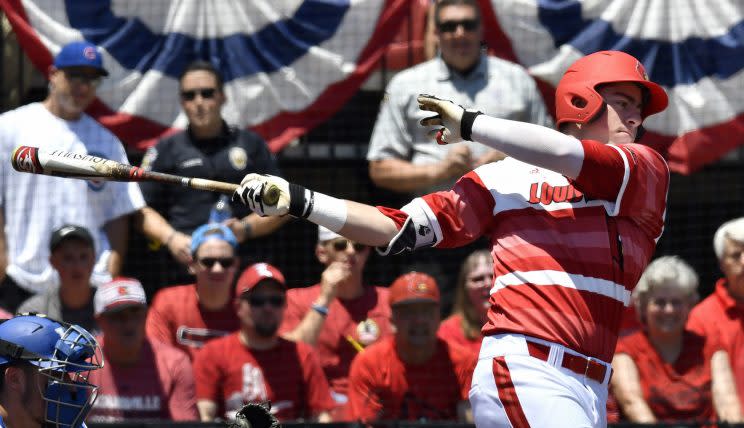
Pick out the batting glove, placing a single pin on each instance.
(456, 122)
(252, 192)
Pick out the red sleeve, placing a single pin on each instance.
(318, 392)
(157, 324)
(461, 215)
(207, 375)
(364, 404)
(626, 345)
(634, 178)
(182, 400)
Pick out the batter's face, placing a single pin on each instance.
(74, 260)
(459, 42)
(666, 311)
(416, 323)
(732, 265)
(73, 88)
(124, 327)
(214, 252)
(201, 99)
(478, 283)
(620, 121)
(262, 308)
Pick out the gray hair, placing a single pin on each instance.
(732, 229)
(665, 271)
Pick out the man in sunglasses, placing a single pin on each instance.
(340, 315)
(254, 364)
(208, 148)
(188, 316)
(142, 378)
(35, 205)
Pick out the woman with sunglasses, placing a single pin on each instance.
(187, 316)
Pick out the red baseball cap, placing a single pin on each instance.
(256, 273)
(118, 294)
(414, 287)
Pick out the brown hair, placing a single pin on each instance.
(471, 322)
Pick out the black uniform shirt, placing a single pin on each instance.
(229, 157)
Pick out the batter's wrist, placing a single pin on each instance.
(466, 124)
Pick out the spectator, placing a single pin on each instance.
(209, 148)
(401, 156)
(720, 316)
(413, 375)
(473, 289)
(254, 364)
(666, 372)
(187, 316)
(339, 316)
(35, 205)
(141, 378)
(72, 256)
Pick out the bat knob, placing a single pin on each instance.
(271, 195)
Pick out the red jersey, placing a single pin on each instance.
(567, 253)
(680, 391)
(450, 330)
(719, 317)
(289, 375)
(382, 387)
(365, 319)
(159, 386)
(176, 317)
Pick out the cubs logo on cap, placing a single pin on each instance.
(414, 287)
(80, 54)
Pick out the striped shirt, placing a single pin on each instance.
(567, 253)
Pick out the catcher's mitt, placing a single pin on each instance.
(255, 415)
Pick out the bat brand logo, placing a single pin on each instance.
(25, 160)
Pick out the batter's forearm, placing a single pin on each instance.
(533, 144)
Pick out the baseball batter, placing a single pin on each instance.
(573, 217)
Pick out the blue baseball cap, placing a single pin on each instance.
(212, 231)
(80, 54)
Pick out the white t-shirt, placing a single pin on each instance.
(35, 205)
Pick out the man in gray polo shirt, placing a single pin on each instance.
(401, 156)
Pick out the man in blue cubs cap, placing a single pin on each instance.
(187, 316)
(44, 368)
(101, 207)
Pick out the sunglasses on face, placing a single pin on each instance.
(206, 93)
(343, 244)
(82, 78)
(451, 26)
(209, 262)
(259, 301)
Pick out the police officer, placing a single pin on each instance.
(211, 149)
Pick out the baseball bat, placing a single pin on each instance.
(60, 163)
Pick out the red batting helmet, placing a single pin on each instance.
(577, 99)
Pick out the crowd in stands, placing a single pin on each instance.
(337, 349)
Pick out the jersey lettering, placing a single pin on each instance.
(546, 194)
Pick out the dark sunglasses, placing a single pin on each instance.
(209, 262)
(82, 78)
(258, 301)
(206, 93)
(343, 244)
(451, 26)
